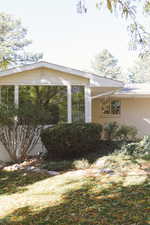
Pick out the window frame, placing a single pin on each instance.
(75, 104)
(110, 99)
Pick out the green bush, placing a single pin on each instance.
(115, 132)
(65, 141)
(126, 133)
(141, 148)
(110, 130)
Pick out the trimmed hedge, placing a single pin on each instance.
(65, 141)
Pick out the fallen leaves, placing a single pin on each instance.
(75, 199)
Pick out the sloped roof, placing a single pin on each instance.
(95, 80)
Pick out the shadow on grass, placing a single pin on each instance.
(90, 205)
(12, 182)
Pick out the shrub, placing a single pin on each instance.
(126, 133)
(81, 164)
(20, 128)
(141, 148)
(71, 140)
(110, 130)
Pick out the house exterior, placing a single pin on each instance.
(133, 107)
(88, 96)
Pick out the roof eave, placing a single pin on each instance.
(95, 80)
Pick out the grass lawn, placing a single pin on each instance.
(77, 198)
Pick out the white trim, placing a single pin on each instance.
(131, 96)
(88, 104)
(103, 94)
(16, 95)
(69, 103)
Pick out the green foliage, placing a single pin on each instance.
(141, 148)
(7, 115)
(27, 114)
(110, 130)
(71, 140)
(35, 115)
(114, 131)
(140, 71)
(52, 99)
(147, 7)
(138, 34)
(124, 8)
(105, 64)
(13, 41)
(126, 133)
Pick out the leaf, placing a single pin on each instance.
(109, 5)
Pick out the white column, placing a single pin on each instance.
(69, 103)
(16, 95)
(88, 104)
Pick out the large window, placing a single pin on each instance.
(111, 107)
(78, 112)
(51, 98)
(7, 95)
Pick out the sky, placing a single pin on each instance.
(68, 38)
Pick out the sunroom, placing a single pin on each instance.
(66, 92)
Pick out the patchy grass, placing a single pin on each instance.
(62, 165)
(65, 165)
(12, 182)
(122, 198)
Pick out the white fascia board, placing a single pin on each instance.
(109, 93)
(95, 80)
(131, 96)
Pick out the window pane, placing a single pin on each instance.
(78, 111)
(106, 107)
(51, 98)
(7, 95)
(111, 107)
(115, 107)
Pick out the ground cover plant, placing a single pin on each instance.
(82, 196)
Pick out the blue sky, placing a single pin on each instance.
(68, 38)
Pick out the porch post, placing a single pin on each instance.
(16, 95)
(69, 103)
(88, 104)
